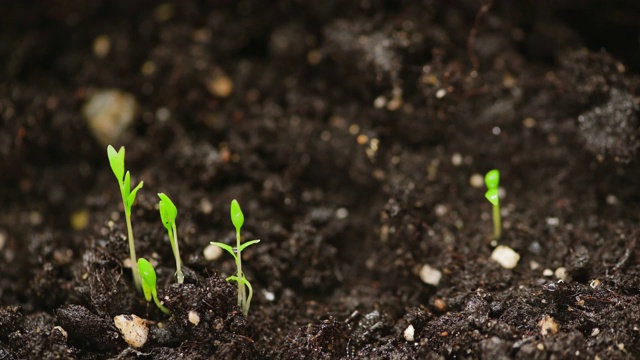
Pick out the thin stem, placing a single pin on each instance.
(241, 295)
(245, 309)
(132, 252)
(158, 303)
(176, 253)
(497, 223)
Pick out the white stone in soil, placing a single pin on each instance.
(430, 275)
(109, 113)
(212, 252)
(134, 329)
(194, 317)
(409, 333)
(505, 256)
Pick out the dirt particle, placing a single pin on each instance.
(548, 326)
(440, 304)
(561, 273)
(133, 329)
(101, 46)
(505, 256)
(220, 86)
(529, 122)
(477, 181)
(79, 219)
(409, 333)
(212, 252)
(429, 275)
(109, 113)
(547, 272)
(194, 317)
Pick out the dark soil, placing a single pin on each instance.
(351, 137)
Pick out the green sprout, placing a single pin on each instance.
(492, 180)
(237, 218)
(116, 160)
(148, 275)
(168, 214)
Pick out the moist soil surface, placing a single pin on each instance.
(355, 135)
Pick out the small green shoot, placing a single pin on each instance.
(116, 160)
(492, 180)
(168, 214)
(237, 218)
(148, 275)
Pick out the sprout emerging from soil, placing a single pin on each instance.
(116, 160)
(148, 275)
(168, 214)
(492, 180)
(237, 218)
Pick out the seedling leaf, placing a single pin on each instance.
(237, 218)
(492, 179)
(492, 196)
(132, 195)
(243, 246)
(168, 211)
(116, 160)
(226, 247)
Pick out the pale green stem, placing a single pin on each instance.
(241, 294)
(176, 252)
(245, 309)
(497, 223)
(132, 252)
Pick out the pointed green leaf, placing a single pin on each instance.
(132, 195)
(243, 246)
(116, 160)
(492, 196)
(126, 185)
(168, 211)
(492, 179)
(147, 273)
(237, 218)
(226, 247)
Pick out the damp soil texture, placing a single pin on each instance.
(355, 135)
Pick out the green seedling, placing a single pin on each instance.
(492, 180)
(237, 218)
(148, 275)
(168, 214)
(116, 160)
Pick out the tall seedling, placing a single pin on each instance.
(116, 160)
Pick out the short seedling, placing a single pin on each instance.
(237, 218)
(492, 180)
(168, 214)
(148, 275)
(116, 160)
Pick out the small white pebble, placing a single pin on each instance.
(194, 318)
(206, 206)
(133, 329)
(540, 346)
(212, 252)
(441, 93)
(505, 256)
(548, 326)
(553, 221)
(561, 273)
(595, 332)
(409, 333)
(268, 295)
(477, 181)
(101, 46)
(163, 114)
(534, 265)
(342, 213)
(547, 272)
(594, 283)
(126, 263)
(441, 210)
(379, 102)
(430, 275)
(612, 199)
(456, 159)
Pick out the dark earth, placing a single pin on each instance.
(353, 134)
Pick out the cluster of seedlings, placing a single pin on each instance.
(144, 275)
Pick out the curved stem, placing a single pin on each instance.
(176, 252)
